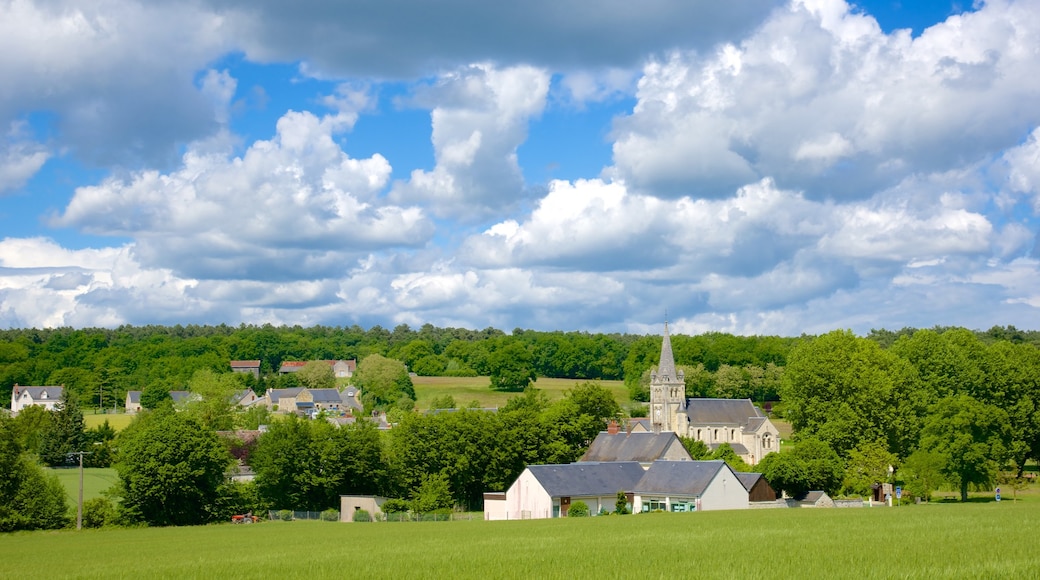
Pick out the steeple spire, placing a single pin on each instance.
(666, 368)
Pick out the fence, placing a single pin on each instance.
(292, 515)
(430, 517)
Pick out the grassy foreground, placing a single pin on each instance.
(974, 540)
(467, 389)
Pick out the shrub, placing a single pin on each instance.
(362, 516)
(331, 515)
(98, 512)
(579, 509)
(395, 506)
(285, 515)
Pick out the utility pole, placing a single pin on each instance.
(79, 508)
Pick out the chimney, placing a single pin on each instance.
(612, 427)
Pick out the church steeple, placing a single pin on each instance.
(666, 368)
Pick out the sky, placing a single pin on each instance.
(755, 167)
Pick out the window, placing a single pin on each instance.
(732, 434)
(767, 441)
(716, 435)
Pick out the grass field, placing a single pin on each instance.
(116, 421)
(467, 389)
(973, 540)
(95, 480)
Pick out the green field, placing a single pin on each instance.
(116, 421)
(973, 540)
(95, 480)
(467, 389)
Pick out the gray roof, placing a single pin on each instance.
(749, 479)
(587, 478)
(326, 396)
(679, 477)
(179, 396)
(276, 394)
(814, 496)
(35, 393)
(754, 423)
(133, 397)
(721, 411)
(642, 447)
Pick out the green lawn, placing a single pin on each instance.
(974, 540)
(467, 389)
(116, 421)
(95, 480)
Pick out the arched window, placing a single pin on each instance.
(716, 435)
(732, 434)
(767, 441)
(698, 434)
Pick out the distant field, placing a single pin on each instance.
(467, 389)
(974, 540)
(117, 421)
(95, 480)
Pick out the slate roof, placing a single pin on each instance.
(642, 422)
(276, 394)
(133, 397)
(179, 396)
(36, 393)
(749, 479)
(326, 396)
(814, 496)
(679, 477)
(721, 411)
(666, 367)
(641, 447)
(754, 423)
(587, 478)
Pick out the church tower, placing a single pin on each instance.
(668, 392)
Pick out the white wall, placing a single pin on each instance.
(725, 492)
(527, 499)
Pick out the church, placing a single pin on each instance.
(737, 422)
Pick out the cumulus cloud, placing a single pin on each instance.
(480, 116)
(293, 207)
(406, 38)
(820, 99)
(20, 157)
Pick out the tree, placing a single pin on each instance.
(153, 395)
(578, 509)
(727, 454)
(383, 382)
(594, 400)
(512, 368)
(64, 433)
(432, 494)
(695, 447)
(868, 464)
(971, 437)
(215, 391)
(621, 503)
(33, 500)
(317, 374)
(922, 473)
(810, 466)
(171, 469)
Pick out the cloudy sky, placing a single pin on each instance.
(754, 167)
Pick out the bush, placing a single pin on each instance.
(98, 512)
(362, 516)
(395, 506)
(579, 509)
(285, 515)
(331, 515)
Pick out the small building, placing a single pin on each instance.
(244, 398)
(548, 491)
(686, 486)
(816, 499)
(282, 400)
(251, 367)
(342, 369)
(184, 397)
(645, 448)
(757, 486)
(133, 402)
(46, 397)
(349, 504)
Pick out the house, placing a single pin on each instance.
(46, 397)
(737, 422)
(251, 367)
(244, 398)
(184, 397)
(349, 504)
(133, 402)
(548, 491)
(312, 401)
(283, 400)
(757, 486)
(340, 368)
(686, 486)
(645, 448)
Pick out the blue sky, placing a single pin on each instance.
(765, 167)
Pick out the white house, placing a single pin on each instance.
(548, 491)
(133, 402)
(686, 486)
(46, 397)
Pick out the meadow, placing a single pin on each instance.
(95, 481)
(468, 389)
(972, 540)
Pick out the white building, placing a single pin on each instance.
(46, 397)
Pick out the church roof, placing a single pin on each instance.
(587, 479)
(737, 448)
(642, 447)
(679, 477)
(666, 368)
(721, 411)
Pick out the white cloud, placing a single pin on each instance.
(293, 207)
(480, 116)
(20, 157)
(820, 99)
